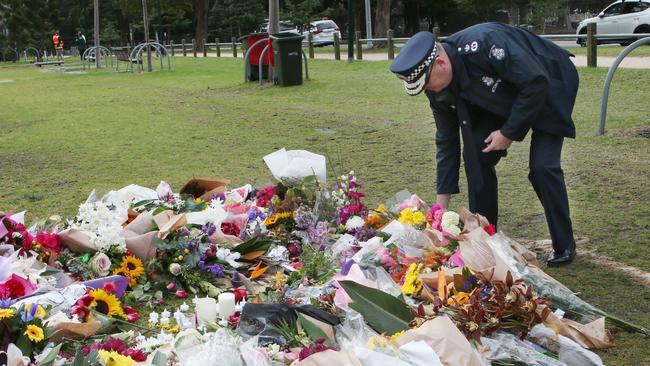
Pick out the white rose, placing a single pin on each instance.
(100, 264)
(452, 229)
(450, 218)
(175, 269)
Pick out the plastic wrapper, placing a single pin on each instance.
(570, 352)
(253, 355)
(218, 349)
(353, 331)
(296, 165)
(507, 347)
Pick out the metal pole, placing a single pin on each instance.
(98, 62)
(368, 23)
(145, 20)
(274, 17)
(350, 31)
(610, 76)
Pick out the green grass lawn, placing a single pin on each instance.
(64, 134)
(611, 51)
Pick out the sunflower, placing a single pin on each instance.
(7, 313)
(106, 303)
(132, 266)
(112, 358)
(34, 333)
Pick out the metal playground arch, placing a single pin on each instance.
(160, 50)
(95, 51)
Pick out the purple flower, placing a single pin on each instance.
(5, 303)
(216, 270)
(237, 279)
(255, 214)
(209, 229)
(191, 245)
(319, 234)
(183, 232)
(304, 219)
(201, 263)
(218, 196)
(28, 316)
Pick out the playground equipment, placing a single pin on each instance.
(160, 51)
(31, 50)
(91, 53)
(610, 76)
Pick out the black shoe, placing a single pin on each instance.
(561, 259)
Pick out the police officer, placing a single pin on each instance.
(495, 83)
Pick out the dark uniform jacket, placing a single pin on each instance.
(509, 78)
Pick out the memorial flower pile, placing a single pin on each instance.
(300, 272)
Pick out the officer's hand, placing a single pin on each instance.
(496, 141)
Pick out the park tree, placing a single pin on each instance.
(234, 18)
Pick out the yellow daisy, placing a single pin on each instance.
(112, 358)
(34, 333)
(106, 303)
(7, 313)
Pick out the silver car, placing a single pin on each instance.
(323, 32)
(620, 17)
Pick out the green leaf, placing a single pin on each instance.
(24, 345)
(385, 313)
(252, 245)
(313, 332)
(51, 356)
(78, 358)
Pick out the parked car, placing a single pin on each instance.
(285, 27)
(620, 17)
(323, 32)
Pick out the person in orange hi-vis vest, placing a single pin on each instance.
(58, 45)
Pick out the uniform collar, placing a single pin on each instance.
(460, 79)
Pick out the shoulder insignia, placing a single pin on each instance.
(469, 48)
(497, 53)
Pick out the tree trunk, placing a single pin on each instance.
(201, 31)
(382, 21)
(411, 17)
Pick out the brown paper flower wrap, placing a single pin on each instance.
(205, 188)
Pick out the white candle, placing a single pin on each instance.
(206, 309)
(226, 304)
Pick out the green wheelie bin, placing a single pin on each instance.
(287, 56)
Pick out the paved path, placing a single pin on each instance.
(580, 60)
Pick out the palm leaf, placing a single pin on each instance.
(385, 313)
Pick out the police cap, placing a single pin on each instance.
(413, 61)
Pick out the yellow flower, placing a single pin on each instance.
(278, 279)
(412, 284)
(273, 219)
(132, 266)
(198, 200)
(106, 303)
(40, 312)
(397, 335)
(7, 313)
(34, 333)
(460, 298)
(410, 217)
(112, 358)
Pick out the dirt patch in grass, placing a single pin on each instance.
(542, 247)
(9, 127)
(643, 131)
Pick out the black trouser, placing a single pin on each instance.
(545, 175)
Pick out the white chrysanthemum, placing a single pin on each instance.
(354, 222)
(229, 257)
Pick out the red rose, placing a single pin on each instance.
(230, 228)
(181, 294)
(490, 229)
